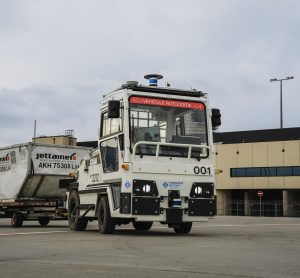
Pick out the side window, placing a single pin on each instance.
(111, 126)
(115, 125)
(109, 155)
(105, 130)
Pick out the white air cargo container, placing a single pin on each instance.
(29, 180)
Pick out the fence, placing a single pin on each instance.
(255, 208)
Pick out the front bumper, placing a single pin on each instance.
(158, 209)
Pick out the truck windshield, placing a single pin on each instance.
(167, 121)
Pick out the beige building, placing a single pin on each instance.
(260, 162)
(67, 139)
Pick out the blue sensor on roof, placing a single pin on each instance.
(153, 79)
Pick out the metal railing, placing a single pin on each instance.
(255, 208)
(137, 147)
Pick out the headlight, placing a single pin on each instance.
(198, 190)
(144, 188)
(202, 190)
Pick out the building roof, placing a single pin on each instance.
(263, 135)
(91, 144)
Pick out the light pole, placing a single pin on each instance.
(280, 80)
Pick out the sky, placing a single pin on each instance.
(58, 57)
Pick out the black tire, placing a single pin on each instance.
(105, 222)
(44, 221)
(17, 219)
(75, 223)
(183, 228)
(142, 226)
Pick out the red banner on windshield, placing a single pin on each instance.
(167, 103)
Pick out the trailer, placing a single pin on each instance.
(29, 181)
(153, 162)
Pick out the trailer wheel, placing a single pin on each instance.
(44, 221)
(17, 219)
(105, 221)
(183, 228)
(142, 226)
(75, 223)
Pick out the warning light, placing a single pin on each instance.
(125, 166)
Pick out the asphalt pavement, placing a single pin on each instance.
(222, 247)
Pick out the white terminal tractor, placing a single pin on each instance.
(153, 162)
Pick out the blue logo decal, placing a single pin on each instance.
(127, 184)
(172, 184)
(165, 184)
(175, 184)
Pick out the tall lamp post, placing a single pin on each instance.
(280, 80)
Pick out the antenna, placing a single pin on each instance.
(34, 131)
(69, 133)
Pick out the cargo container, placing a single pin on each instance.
(29, 180)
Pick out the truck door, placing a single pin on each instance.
(110, 155)
(111, 148)
(110, 143)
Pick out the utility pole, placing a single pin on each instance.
(281, 109)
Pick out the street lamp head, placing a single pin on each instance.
(282, 79)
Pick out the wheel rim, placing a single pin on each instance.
(101, 215)
(14, 220)
(73, 211)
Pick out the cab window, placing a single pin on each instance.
(111, 126)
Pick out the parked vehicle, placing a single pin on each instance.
(29, 181)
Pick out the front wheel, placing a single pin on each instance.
(17, 219)
(183, 228)
(142, 226)
(105, 222)
(75, 223)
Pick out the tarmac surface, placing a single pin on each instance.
(222, 247)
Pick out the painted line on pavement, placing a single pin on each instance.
(163, 227)
(224, 225)
(33, 233)
(248, 225)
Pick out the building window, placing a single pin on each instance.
(283, 171)
(268, 171)
(238, 172)
(296, 171)
(253, 172)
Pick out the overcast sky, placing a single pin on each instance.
(58, 57)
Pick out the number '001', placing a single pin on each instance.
(202, 170)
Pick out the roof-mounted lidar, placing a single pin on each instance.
(153, 79)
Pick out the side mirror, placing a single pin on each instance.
(113, 109)
(215, 118)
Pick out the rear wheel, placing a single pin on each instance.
(183, 228)
(44, 221)
(105, 222)
(75, 223)
(142, 226)
(17, 219)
